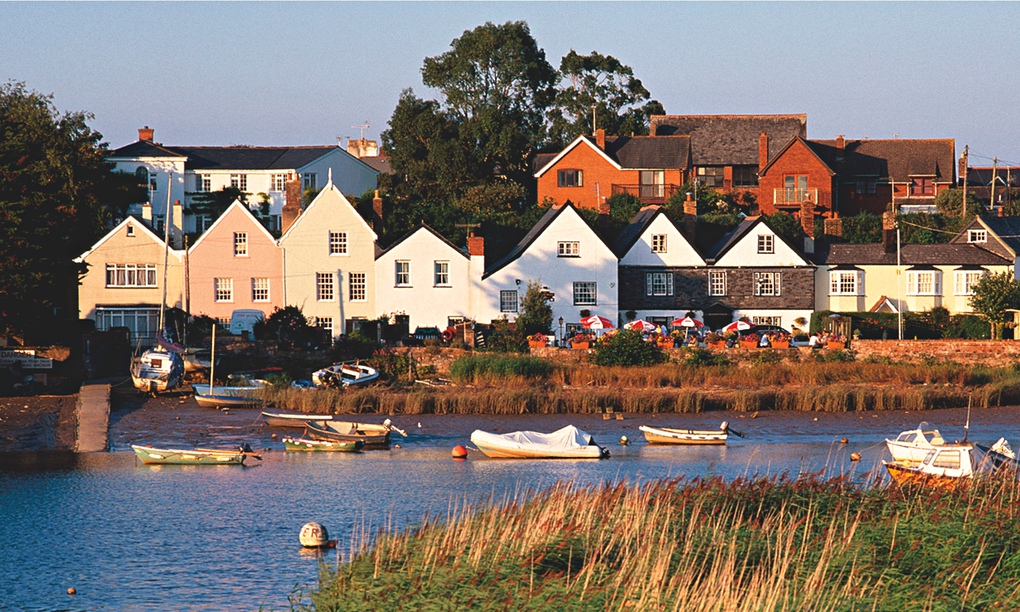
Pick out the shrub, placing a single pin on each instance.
(627, 348)
(702, 357)
(471, 368)
(768, 356)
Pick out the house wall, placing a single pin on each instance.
(425, 303)
(351, 176)
(745, 252)
(852, 203)
(213, 257)
(305, 249)
(679, 251)
(169, 171)
(797, 160)
(690, 290)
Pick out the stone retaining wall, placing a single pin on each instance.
(994, 353)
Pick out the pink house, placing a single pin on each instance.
(235, 265)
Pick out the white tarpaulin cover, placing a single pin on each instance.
(563, 443)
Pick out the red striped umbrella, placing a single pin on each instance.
(596, 322)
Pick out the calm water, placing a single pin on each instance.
(132, 537)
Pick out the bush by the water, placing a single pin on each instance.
(627, 348)
(472, 368)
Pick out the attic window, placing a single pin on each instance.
(568, 249)
(922, 187)
(130, 230)
(658, 243)
(570, 178)
(977, 235)
(766, 244)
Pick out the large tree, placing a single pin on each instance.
(602, 85)
(53, 174)
(993, 295)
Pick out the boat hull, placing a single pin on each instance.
(374, 436)
(344, 375)
(310, 445)
(668, 435)
(906, 473)
(157, 371)
(502, 453)
(566, 443)
(298, 420)
(160, 456)
(227, 397)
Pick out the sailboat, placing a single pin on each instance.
(160, 368)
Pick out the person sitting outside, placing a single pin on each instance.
(764, 342)
(813, 341)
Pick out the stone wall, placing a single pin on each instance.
(993, 353)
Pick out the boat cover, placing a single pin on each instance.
(566, 439)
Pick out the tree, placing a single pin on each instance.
(53, 172)
(993, 295)
(215, 203)
(536, 314)
(786, 226)
(627, 348)
(862, 229)
(603, 85)
(949, 202)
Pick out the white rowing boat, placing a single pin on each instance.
(671, 435)
(566, 443)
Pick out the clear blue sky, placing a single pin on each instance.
(305, 73)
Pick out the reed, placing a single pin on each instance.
(750, 544)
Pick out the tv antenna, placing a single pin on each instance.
(364, 126)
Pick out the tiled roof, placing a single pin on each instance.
(910, 255)
(730, 139)
(1007, 229)
(649, 152)
(251, 158)
(144, 148)
(898, 158)
(629, 234)
(380, 164)
(541, 159)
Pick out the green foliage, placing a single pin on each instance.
(392, 365)
(536, 314)
(288, 326)
(949, 202)
(698, 357)
(767, 356)
(472, 368)
(355, 345)
(201, 327)
(215, 203)
(627, 348)
(786, 226)
(993, 295)
(53, 176)
(864, 228)
(506, 338)
(922, 228)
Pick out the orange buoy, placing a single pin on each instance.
(71, 591)
(855, 456)
(459, 452)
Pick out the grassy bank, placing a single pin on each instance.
(763, 544)
(490, 384)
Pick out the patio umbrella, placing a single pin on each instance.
(641, 325)
(596, 322)
(687, 322)
(738, 326)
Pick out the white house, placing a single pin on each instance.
(260, 172)
(425, 277)
(564, 254)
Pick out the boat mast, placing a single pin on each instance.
(166, 252)
(966, 427)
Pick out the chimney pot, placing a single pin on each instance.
(600, 138)
(476, 245)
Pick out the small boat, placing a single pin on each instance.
(566, 443)
(953, 465)
(223, 396)
(307, 444)
(292, 419)
(157, 371)
(913, 445)
(374, 436)
(341, 375)
(670, 435)
(197, 456)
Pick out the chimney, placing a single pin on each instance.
(962, 169)
(833, 229)
(600, 138)
(889, 231)
(291, 203)
(147, 213)
(475, 245)
(840, 145)
(145, 134)
(763, 150)
(807, 216)
(377, 213)
(177, 225)
(690, 215)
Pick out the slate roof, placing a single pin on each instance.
(144, 148)
(630, 234)
(982, 177)
(380, 164)
(540, 161)
(649, 151)
(251, 158)
(730, 140)
(1007, 229)
(897, 158)
(910, 255)
(522, 246)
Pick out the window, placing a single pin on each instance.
(568, 249)
(158, 223)
(653, 184)
(240, 244)
(203, 222)
(260, 289)
(324, 286)
(325, 323)
(310, 180)
(766, 283)
(403, 273)
(866, 186)
(130, 275)
(454, 321)
(658, 243)
(922, 187)
(710, 176)
(766, 244)
(278, 182)
(745, 176)
(358, 284)
(658, 283)
(224, 289)
(947, 459)
(844, 282)
(977, 235)
(774, 321)
(570, 178)
(239, 181)
(442, 274)
(796, 188)
(585, 293)
(337, 243)
(717, 283)
(923, 282)
(203, 183)
(508, 301)
(152, 182)
(130, 230)
(966, 280)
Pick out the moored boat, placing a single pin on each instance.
(157, 371)
(953, 465)
(913, 445)
(308, 444)
(292, 419)
(373, 435)
(222, 396)
(196, 456)
(566, 443)
(672, 435)
(341, 375)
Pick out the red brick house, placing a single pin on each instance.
(590, 170)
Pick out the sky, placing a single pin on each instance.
(294, 73)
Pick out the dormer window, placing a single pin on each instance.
(922, 187)
(980, 236)
(766, 244)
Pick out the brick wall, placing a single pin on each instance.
(690, 289)
(993, 353)
(800, 161)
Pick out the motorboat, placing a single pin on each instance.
(671, 435)
(913, 445)
(953, 465)
(197, 456)
(157, 370)
(373, 435)
(341, 375)
(566, 443)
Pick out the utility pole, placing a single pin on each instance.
(899, 279)
(995, 162)
(966, 152)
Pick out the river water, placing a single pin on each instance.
(133, 537)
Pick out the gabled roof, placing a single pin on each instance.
(579, 141)
(235, 157)
(144, 148)
(642, 221)
(650, 152)
(897, 158)
(135, 221)
(521, 247)
(424, 226)
(331, 188)
(730, 240)
(724, 140)
(1006, 229)
(816, 150)
(910, 255)
(236, 204)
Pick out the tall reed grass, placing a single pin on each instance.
(759, 544)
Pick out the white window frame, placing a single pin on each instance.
(658, 284)
(402, 273)
(260, 289)
(965, 280)
(716, 283)
(658, 243)
(310, 180)
(568, 248)
(130, 276)
(845, 282)
(766, 244)
(509, 301)
(240, 244)
(930, 279)
(337, 243)
(203, 183)
(586, 293)
(324, 287)
(130, 231)
(357, 286)
(278, 182)
(325, 323)
(224, 289)
(239, 182)
(977, 236)
(767, 320)
(441, 271)
(768, 284)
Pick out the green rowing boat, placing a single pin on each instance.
(305, 444)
